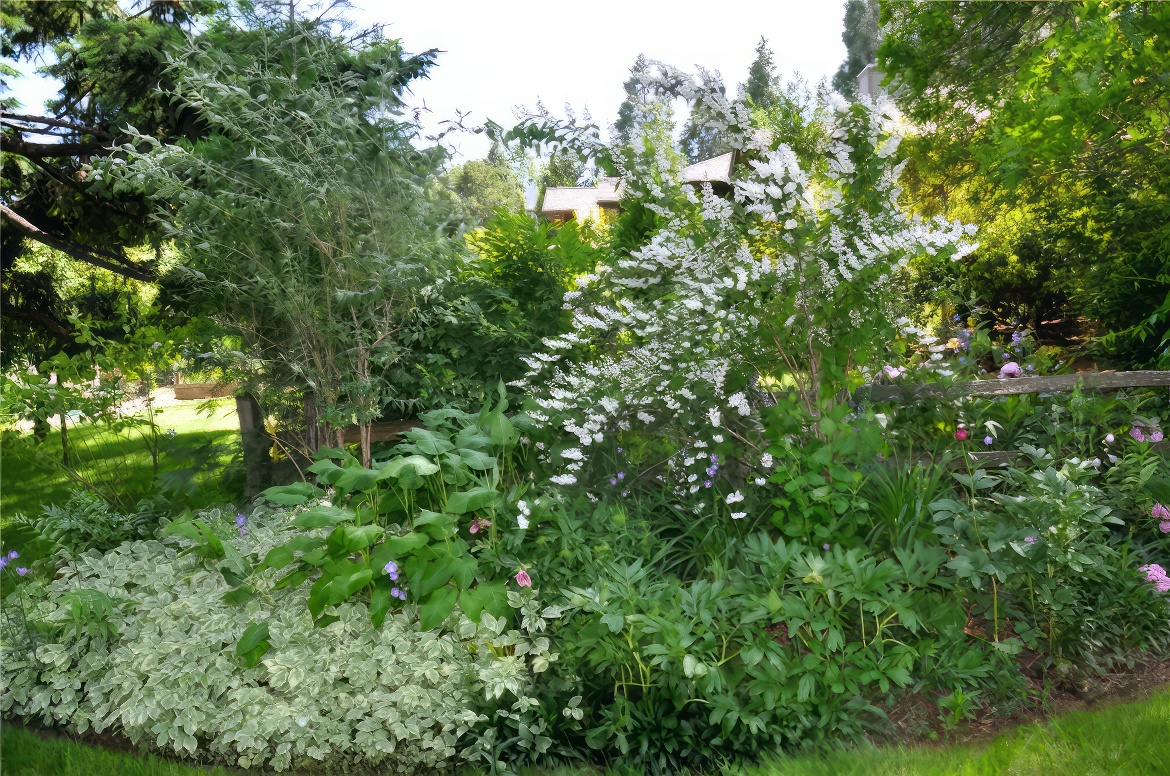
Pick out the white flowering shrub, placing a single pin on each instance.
(157, 662)
(785, 280)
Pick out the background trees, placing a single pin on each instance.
(1050, 122)
(111, 65)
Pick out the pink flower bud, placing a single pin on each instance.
(522, 578)
(961, 434)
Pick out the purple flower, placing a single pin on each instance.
(1030, 368)
(391, 569)
(621, 475)
(987, 440)
(619, 449)
(957, 318)
(241, 521)
(964, 338)
(1109, 439)
(1137, 434)
(3, 562)
(21, 570)
(625, 493)
(825, 546)
(1164, 526)
(1160, 512)
(13, 555)
(707, 484)
(1156, 435)
(1010, 369)
(613, 480)
(1017, 338)
(714, 459)
(1031, 539)
(399, 594)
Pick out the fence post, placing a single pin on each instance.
(257, 456)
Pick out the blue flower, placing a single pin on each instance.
(22, 571)
(13, 555)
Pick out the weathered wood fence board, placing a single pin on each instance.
(189, 391)
(1017, 385)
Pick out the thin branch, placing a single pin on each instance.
(74, 250)
(56, 122)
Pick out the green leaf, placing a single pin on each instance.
(380, 600)
(253, 644)
(471, 500)
(291, 495)
(360, 537)
(409, 472)
(278, 557)
(327, 472)
(494, 597)
(436, 608)
(428, 441)
(320, 516)
(471, 602)
(436, 574)
(238, 596)
(355, 481)
(463, 571)
(474, 459)
(436, 524)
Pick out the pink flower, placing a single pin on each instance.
(522, 578)
(1137, 434)
(1157, 575)
(1160, 512)
(961, 434)
(1156, 435)
(1010, 369)
(1164, 526)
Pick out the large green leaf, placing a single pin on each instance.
(428, 441)
(321, 515)
(409, 472)
(436, 524)
(327, 472)
(471, 500)
(355, 481)
(396, 547)
(253, 644)
(436, 608)
(477, 460)
(435, 574)
(291, 495)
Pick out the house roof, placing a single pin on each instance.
(717, 169)
(558, 199)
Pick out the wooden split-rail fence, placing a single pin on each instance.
(1101, 381)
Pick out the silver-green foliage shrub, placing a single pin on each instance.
(347, 694)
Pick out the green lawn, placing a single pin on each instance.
(31, 474)
(1132, 738)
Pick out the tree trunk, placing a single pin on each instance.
(364, 431)
(257, 456)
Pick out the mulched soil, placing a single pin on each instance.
(916, 718)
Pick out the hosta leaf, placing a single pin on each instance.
(471, 500)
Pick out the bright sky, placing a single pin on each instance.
(498, 55)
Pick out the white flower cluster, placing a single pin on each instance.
(681, 319)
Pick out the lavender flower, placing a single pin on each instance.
(1156, 435)
(1137, 434)
(391, 569)
(3, 563)
(1031, 539)
(988, 440)
(241, 522)
(21, 570)
(1010, 369)
(1017, 338)
(399, 594)
(621, 475)
(1109, 439)
(13, 555)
